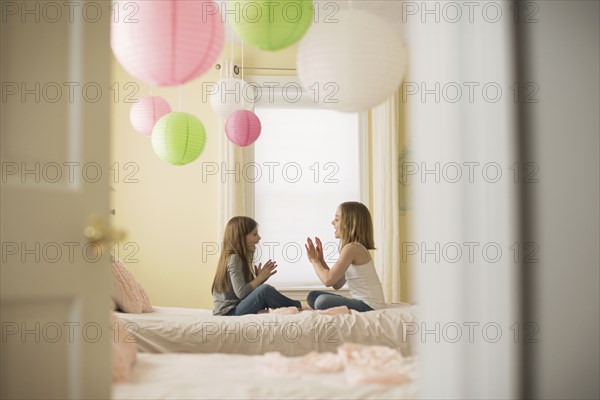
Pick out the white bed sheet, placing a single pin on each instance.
(186, 330)
(228, 376)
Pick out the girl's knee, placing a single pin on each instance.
(264, 289)
(321, 303)
(311, 298)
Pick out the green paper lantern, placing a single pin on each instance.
(272, 25)
(178, 138)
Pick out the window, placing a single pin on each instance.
(308, 160)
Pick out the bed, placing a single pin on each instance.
(234, 376)
(185, 330)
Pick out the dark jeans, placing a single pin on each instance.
(318, 300)
(264, 296)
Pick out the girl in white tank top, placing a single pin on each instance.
(354, 227)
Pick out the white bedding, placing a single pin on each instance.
(227, 376)
(185, 330)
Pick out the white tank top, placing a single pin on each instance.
(364, 284)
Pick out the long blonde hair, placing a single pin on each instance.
(234, 242)
(356, 225)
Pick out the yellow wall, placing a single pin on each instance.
(169, 212)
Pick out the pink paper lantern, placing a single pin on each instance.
(242, 128)
(166, 42)
(144, 114)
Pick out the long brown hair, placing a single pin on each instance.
(356, 225)
(234, 242)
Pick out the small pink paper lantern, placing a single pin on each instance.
(144, 114)
(166, 42)
(242, 128)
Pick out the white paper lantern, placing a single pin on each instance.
(232, 94)
(351, 65)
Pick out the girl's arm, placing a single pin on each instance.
(242, 288)
(238, 283)
(319, 247)
(339, 283)
(263, 273)
(334, 276)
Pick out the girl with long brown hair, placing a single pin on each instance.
(237, 288)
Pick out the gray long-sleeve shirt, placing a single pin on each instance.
(237, 287)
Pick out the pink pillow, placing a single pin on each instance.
(127, 292)
(123, 351)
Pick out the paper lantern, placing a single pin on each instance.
(231, 94)
(272, 25)
(178, 138)
(354, 64)
(166, 42)
(146, 112)
(242, 128)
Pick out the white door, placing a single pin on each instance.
(55, 71)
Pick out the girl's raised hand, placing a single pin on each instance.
(265, 272)
(319, 250)
(311, 251)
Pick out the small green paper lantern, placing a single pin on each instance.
(272, 25)
(178, 138)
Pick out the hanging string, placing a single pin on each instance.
(231, 52)
(242, 59)
(243, 83)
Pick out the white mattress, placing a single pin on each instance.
(186, 330)
(227, 376)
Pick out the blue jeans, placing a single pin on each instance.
(318, 300)
(264, 296)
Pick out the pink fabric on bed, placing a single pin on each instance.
(127, 292)
(294, 310)
(356, 375)
(373, 364)
(369, 355)
(311, 362)
(284, 310)
(123, 351)
(335, 310)
(361, 364)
